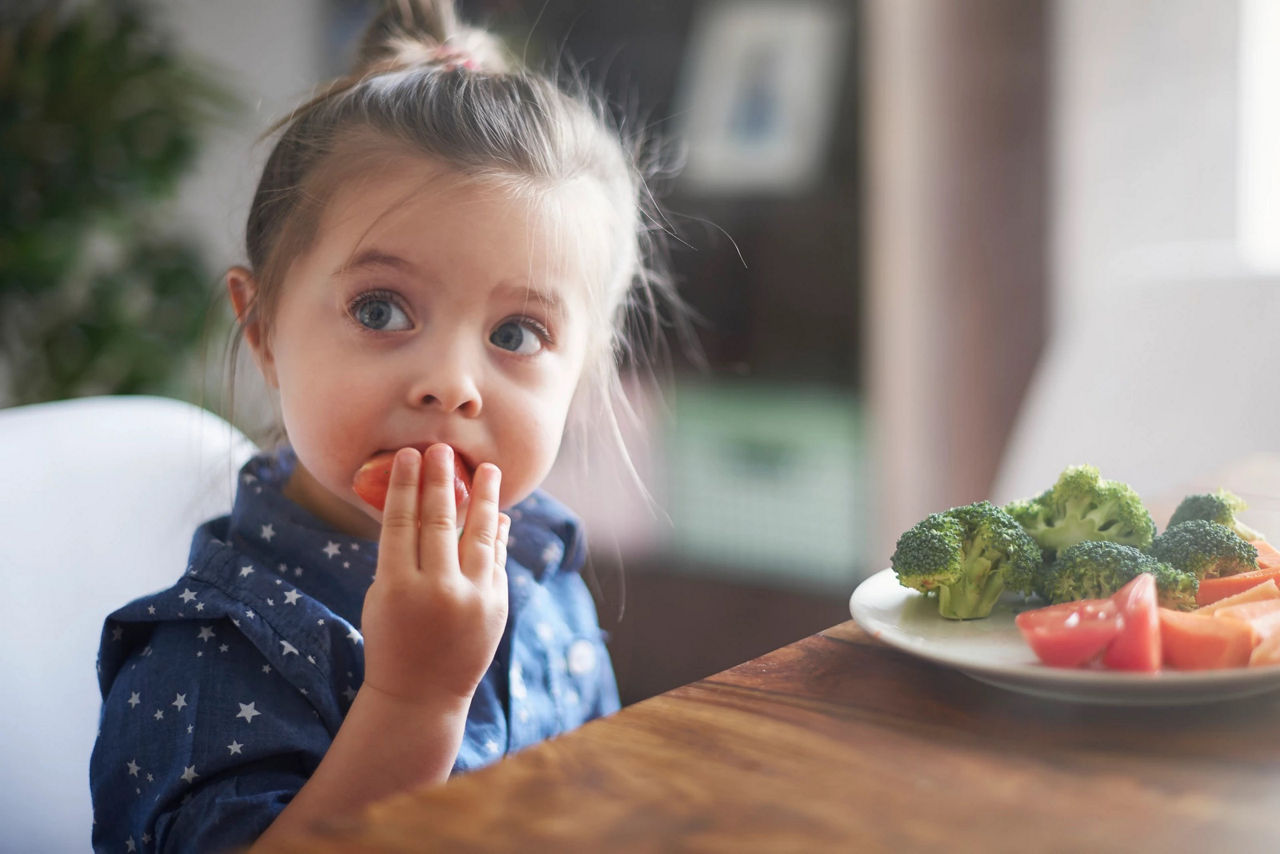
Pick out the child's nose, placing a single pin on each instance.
(449, 385)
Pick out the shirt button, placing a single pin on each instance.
(582, 657)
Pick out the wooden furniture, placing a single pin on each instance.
(841, 743)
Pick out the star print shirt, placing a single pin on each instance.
(222, 693)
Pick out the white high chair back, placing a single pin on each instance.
(1160, 383)
(100, 499)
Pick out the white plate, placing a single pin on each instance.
(992, 650)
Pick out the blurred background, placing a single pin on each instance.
(894, 219)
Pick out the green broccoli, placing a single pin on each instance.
(1083, 506)
(968, 556)
(1221, 507)
(1205, 549)
(1094, 569)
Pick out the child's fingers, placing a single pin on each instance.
(475, 550)
(438, 533)
(398, 542)
(500, 549)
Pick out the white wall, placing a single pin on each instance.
(270, 55)
(1145, 138)
(1258, 172)
(1165, 208)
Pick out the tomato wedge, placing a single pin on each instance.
(1072, 633)
(374, 478)
(1137, 646)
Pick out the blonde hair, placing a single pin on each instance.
(428, 85)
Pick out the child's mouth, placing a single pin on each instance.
(373, 478)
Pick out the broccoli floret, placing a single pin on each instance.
(1084, 506)
(1095, 569)
(1205, 549)
(967, 556)
(1026, 508)
(1221, 507)
(1174, 588)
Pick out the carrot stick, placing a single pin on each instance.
(1268, 555)
(1258, 593)
(1213, 589)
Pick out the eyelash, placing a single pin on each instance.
(377, 295)
(535, 326)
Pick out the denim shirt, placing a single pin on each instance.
(222, 693)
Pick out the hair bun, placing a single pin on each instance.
(413, 33)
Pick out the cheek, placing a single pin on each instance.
(325, 410)
(529, 446)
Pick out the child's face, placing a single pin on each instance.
(428, 309)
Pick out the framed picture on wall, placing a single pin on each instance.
(758, 92)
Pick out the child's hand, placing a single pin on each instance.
(438, 604)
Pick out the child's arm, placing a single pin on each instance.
(432, 620)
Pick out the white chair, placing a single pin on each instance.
(100, 498)
(1162, 383)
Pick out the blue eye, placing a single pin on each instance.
(519, 337)
(380, 313)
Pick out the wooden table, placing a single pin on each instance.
(840, 743)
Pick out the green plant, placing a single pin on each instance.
(99, 119)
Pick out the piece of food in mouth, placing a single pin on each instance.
(374, 477)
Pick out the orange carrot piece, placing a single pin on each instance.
(1262, 618)
(1213, 589)
(1268, 555)
(1192, 641)
(1258, 593)
(1267, 652)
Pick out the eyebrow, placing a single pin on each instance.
(373, 258)
(549, 300)
(376, 258)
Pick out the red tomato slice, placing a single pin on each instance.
(374, 477)
(1072, 633)
(1137, 646)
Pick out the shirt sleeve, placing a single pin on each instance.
(201, 745)
(586, 659)
(593, 686)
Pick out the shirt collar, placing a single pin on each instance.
(288, 539)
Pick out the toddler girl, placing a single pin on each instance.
(441, 256)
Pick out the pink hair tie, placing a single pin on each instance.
(452, 58)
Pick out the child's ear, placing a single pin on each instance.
(243, 290)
